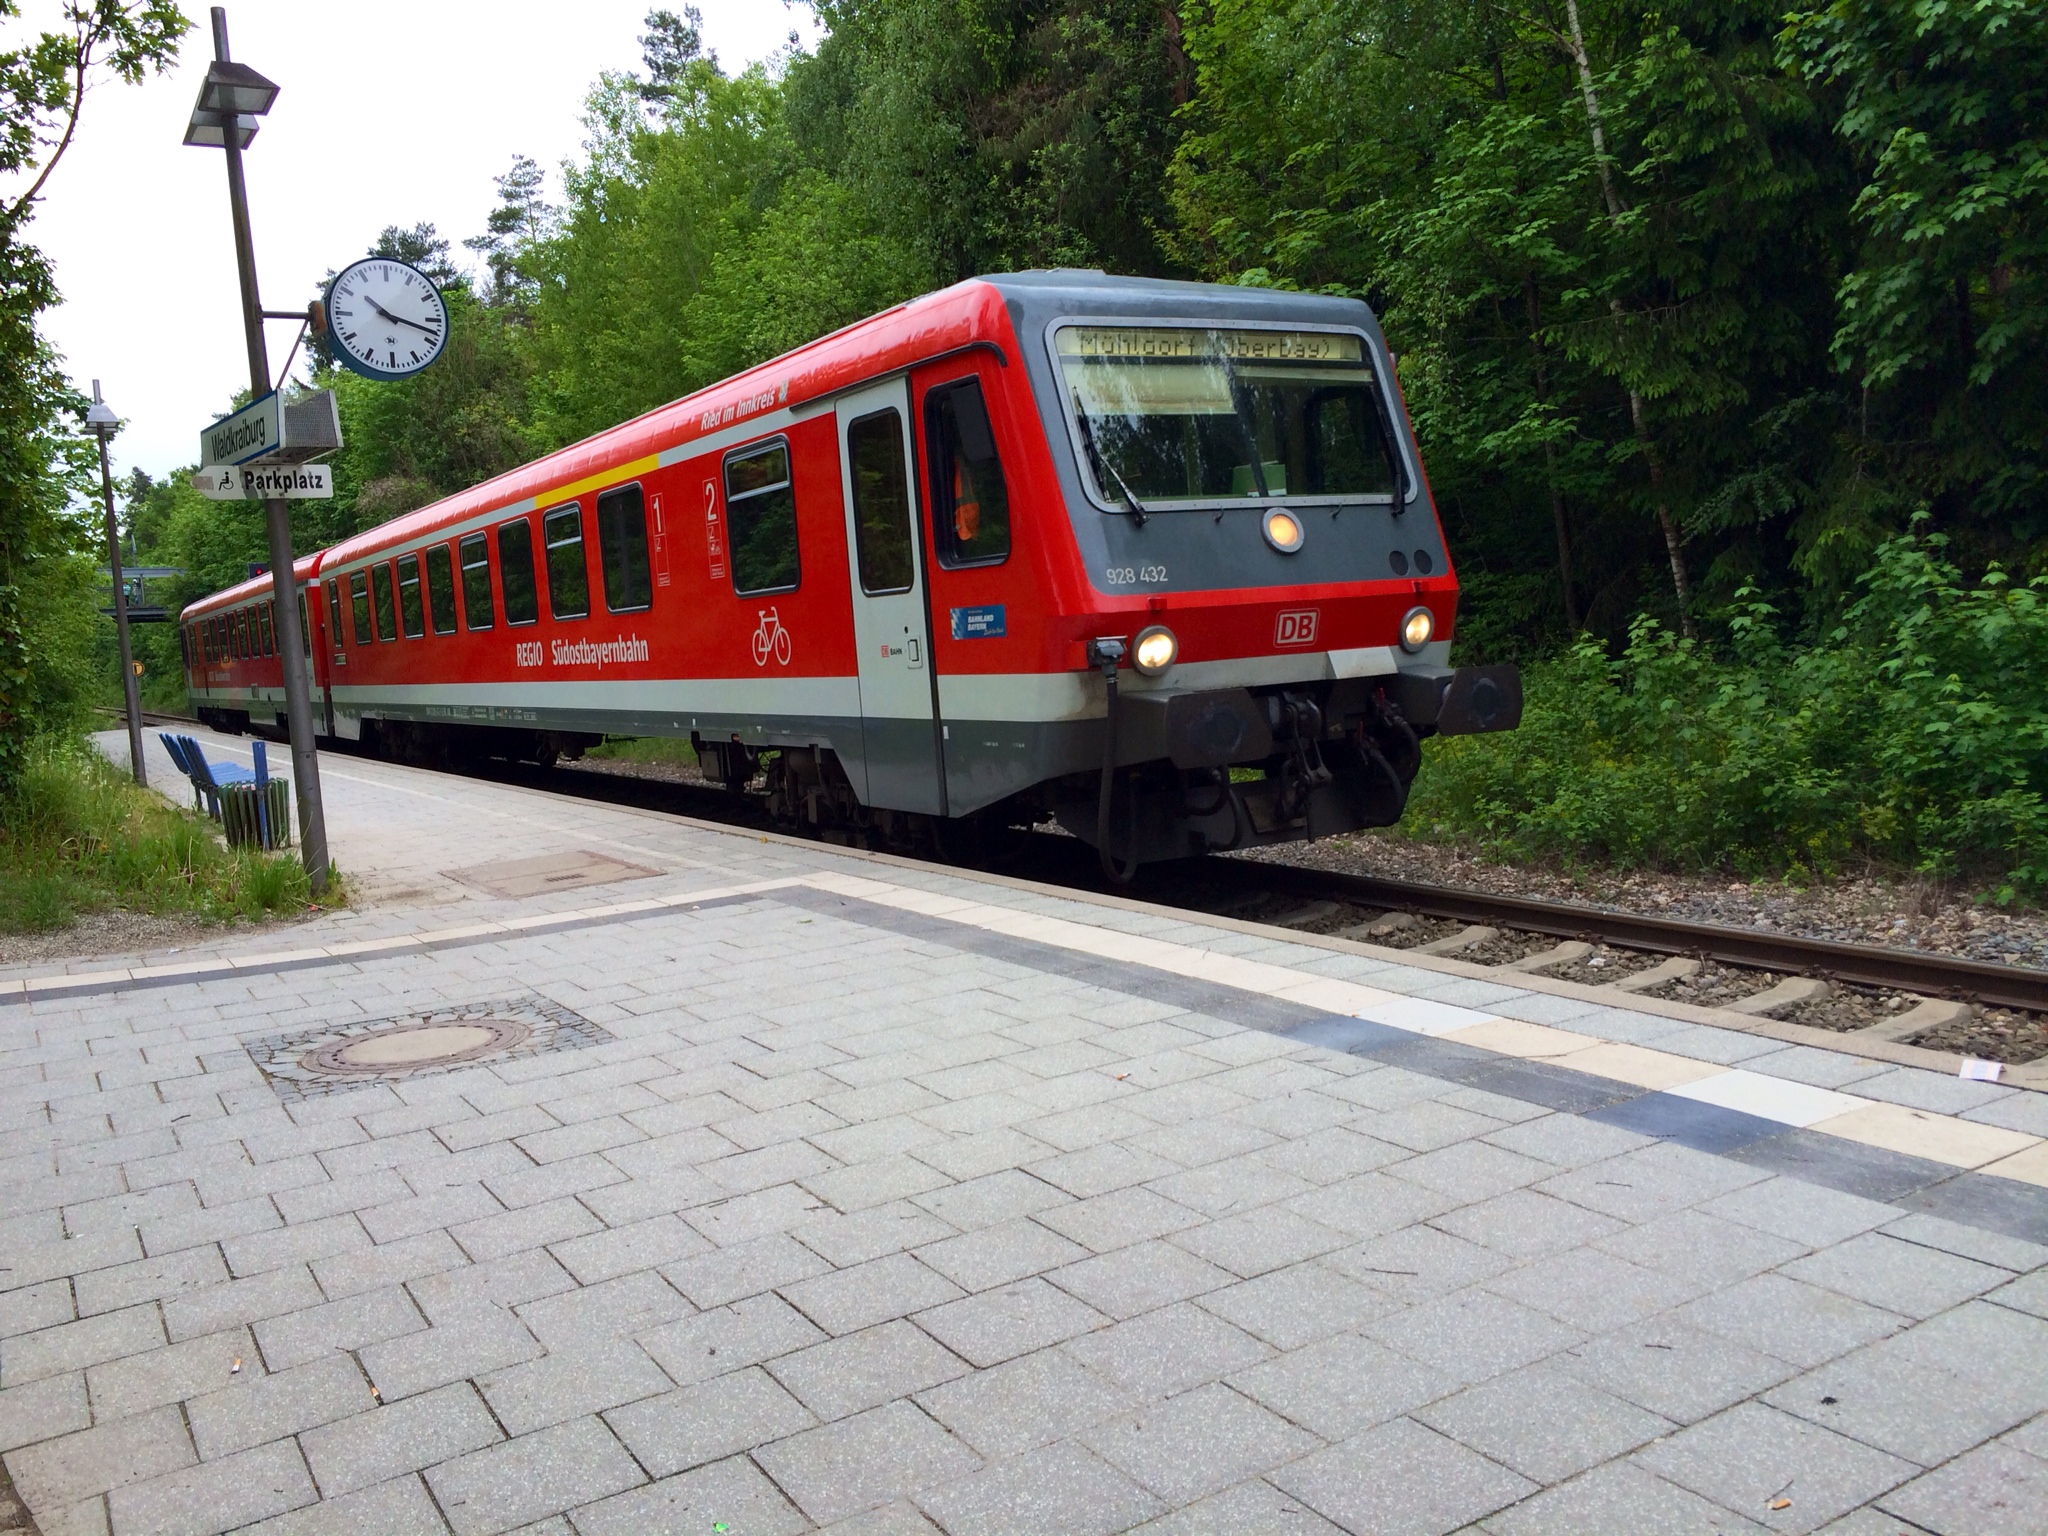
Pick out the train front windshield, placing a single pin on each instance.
(1184, 417)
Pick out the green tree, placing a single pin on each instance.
(986, 135)
(1603, 242)
(1943, 314)
(43, 459)
(516, 224)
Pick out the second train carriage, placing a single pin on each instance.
(1157, 559)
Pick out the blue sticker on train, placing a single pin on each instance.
(979, 623)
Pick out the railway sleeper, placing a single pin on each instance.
(1677, 968)
(1544, 959)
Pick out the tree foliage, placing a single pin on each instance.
(44, 82)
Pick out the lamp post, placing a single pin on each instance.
(104, 424)
(224, 117)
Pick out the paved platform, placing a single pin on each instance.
(811, 1190)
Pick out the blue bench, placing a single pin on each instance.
(206, 777)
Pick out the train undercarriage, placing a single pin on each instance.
(1192, 772)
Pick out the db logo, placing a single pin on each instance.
(1296, 627)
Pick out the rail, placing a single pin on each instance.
(1864, 964)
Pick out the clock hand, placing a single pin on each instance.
(398, 319)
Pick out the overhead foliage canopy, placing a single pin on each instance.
(1688, 299)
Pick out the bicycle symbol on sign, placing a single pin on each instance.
(771, 637)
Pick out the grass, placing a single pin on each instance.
(645, 749)
(79, 836)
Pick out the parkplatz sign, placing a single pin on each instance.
(260, 482)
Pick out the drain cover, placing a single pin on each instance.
(410, 1047)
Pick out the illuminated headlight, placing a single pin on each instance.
(1155, 650)
(1283, 530)
(1416, 628)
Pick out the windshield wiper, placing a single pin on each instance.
(1138, 512)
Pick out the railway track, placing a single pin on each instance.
(1907, 992)
(1933, 975)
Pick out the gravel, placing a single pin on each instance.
(1715, 985)
(1846, 1008)
(668, 772)
(116, 933)
(1605, 966)
(1863, 909)
(1995, 1034)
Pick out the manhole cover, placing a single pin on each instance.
(410, 1047)
(458, 1037)
(550, 872)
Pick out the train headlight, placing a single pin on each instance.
(1155, 650)
(1283, 530)
(1417, 625)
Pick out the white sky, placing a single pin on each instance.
(390, 112)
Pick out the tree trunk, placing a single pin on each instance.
(1564, 542)
(1673, 545)
(1534, 306)
(1638, 414)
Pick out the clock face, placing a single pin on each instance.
(386, 319)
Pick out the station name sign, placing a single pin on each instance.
(275, 431)
(264, 482)
(253, 431)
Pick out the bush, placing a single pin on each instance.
(1916, 734)
(77, 836)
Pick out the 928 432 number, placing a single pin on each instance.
(1134, 575)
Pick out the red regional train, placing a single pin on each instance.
(1156, 559)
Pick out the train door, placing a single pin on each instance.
(892, 639)
(315, 616)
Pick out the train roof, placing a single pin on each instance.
(987, 309)
(244, 591)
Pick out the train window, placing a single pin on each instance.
(515, 570)
(305, 603)
(241, 634)
(1180, 414)
(881, 502)
(568, 574)
(409, 606)
(380, 589)
(970, 501)
(333, 615)
(263, 623)
(760, 509)
(622, 549)
(476, 581)
(359, 604)
(441, 588)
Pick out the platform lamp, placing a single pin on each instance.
(103, 424)
(231, 99)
